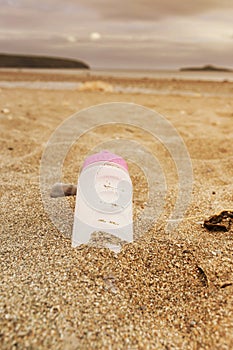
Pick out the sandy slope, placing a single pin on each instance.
(161, 292)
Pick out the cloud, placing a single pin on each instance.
(137, 10)
(95, 36)
(143, 10)
(128, 54)
(71, 38)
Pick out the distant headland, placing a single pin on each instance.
(31, 61)
(206, 68)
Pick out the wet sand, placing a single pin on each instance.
(163, 291)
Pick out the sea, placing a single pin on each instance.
(212, 76)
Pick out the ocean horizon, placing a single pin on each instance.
(126, 73)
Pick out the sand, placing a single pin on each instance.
(163, 291)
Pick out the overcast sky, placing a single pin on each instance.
(135, 34)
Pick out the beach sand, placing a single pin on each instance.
(163, 291)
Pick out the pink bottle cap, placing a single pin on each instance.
(105, 156)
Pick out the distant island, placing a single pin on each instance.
(31, 61)
(206, 68)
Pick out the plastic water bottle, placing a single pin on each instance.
(104, 200)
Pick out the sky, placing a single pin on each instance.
(122, 34)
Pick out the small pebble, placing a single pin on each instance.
(216, 252)
(5, 110)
